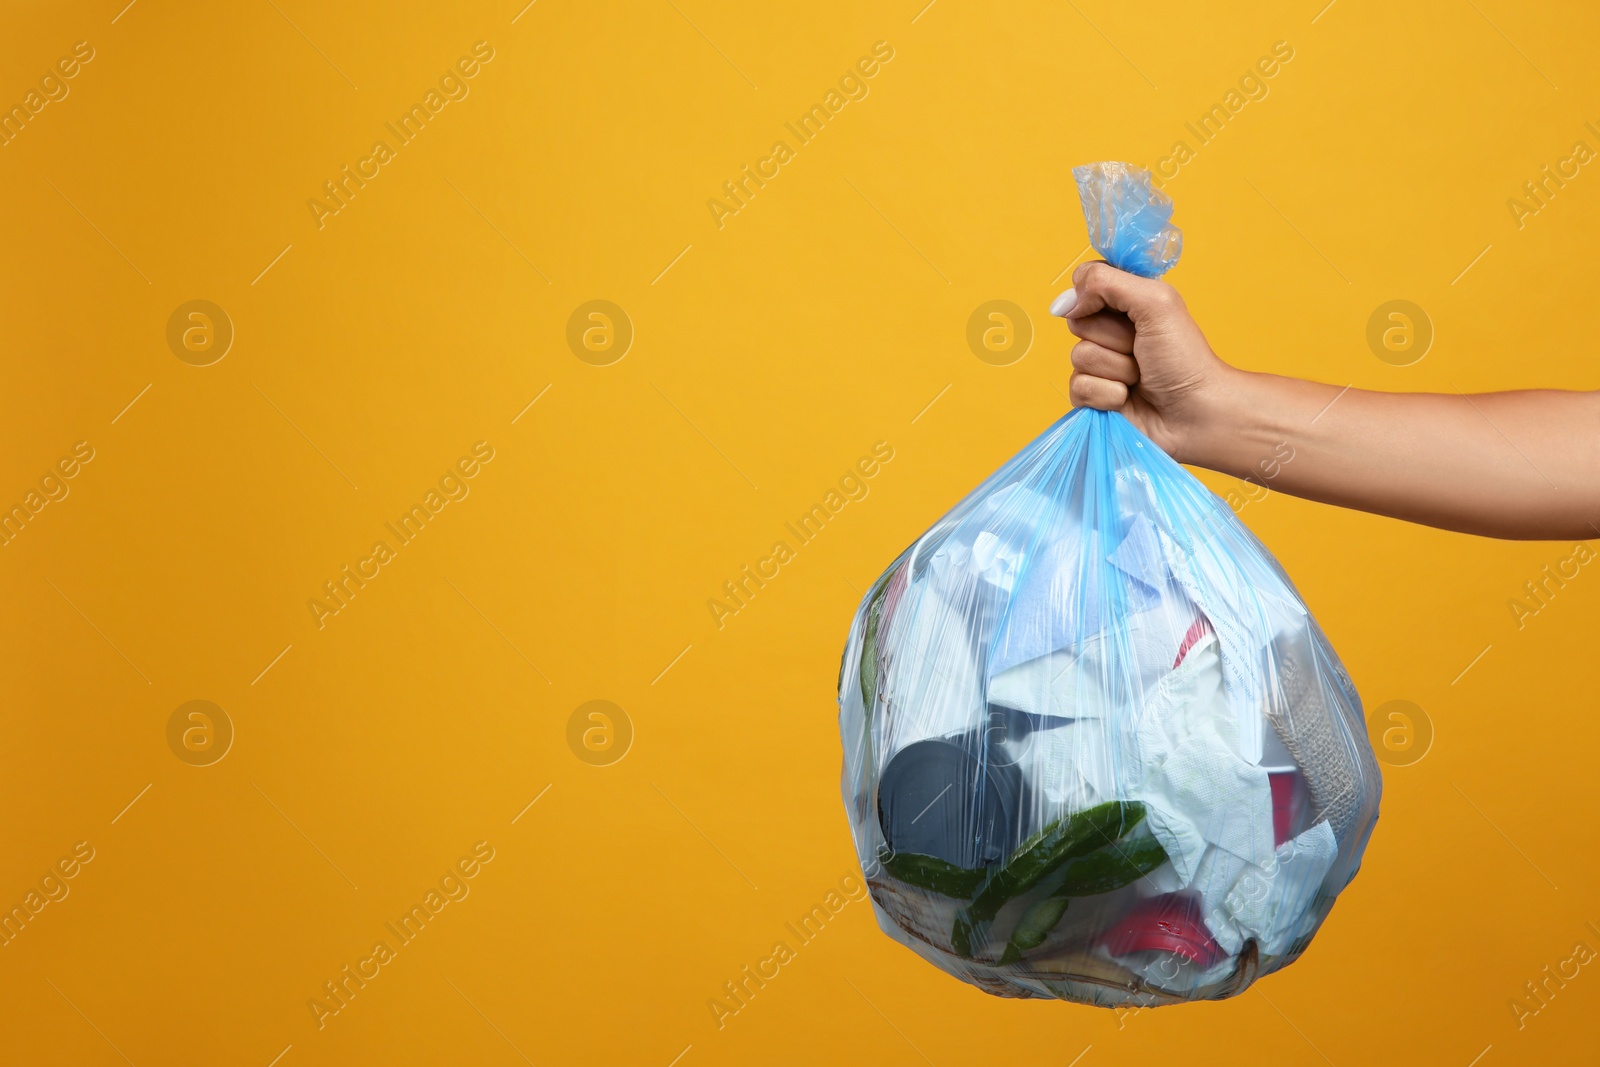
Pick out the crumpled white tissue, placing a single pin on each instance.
(1268, 902)
(1198, 790)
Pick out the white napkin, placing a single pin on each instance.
(1270, 902)
(1198, 789)
(1082, 749)
(1075, 682)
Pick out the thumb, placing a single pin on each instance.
(1097, 286)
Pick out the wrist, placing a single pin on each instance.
(1248, 424)
(1223, 422)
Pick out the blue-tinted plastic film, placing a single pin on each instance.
(1130, 220)
(1095, 746)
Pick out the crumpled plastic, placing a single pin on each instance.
(1130, 220)
(1095, 746)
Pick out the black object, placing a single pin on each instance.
(952, 798)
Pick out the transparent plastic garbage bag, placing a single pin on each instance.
(1095, 746)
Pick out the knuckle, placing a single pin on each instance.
(1076, 389)
(1092, 391)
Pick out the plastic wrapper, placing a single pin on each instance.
(1095, 746)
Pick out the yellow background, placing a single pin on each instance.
(768, 357)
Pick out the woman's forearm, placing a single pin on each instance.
(1516, 465)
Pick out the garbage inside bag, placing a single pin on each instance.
(1095, 747)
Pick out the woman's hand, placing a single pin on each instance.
(1143, 355)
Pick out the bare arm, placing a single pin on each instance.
(1519, 465)
(1515, 465)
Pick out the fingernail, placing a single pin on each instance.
(1064, 303)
